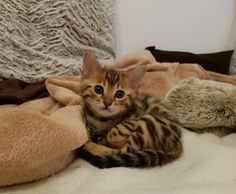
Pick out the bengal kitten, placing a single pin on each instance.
(130, 130)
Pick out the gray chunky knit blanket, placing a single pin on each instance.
(42, 38)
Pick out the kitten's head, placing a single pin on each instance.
(108, 92)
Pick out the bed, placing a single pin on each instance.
(208, 164)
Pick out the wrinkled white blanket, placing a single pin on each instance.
(208, 166)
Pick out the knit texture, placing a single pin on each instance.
(39, 39)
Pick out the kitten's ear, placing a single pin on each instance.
(90, 65)
(135, 75)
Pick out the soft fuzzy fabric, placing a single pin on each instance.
(201, 104)
(218, 62)
(39, 138)
(208, 166)
(39, 39)
(53, 127)
(233, 63)
(161, 77)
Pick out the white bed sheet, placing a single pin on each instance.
(208, 166)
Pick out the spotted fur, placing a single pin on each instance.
(133, 131)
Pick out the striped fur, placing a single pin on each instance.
(137, 131)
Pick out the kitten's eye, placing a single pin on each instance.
(120, 94)
(98, 89)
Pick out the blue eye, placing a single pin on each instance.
(120, 94)
(98, 89)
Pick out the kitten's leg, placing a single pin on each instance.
(131, 145)
(118, 136)
(129, 136)
(98, 149)
(117, 139)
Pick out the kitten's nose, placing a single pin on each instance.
(107, 102)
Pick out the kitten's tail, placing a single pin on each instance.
(143, 158)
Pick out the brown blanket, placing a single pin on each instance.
(161, 77)
(38, 138)
(17, 92)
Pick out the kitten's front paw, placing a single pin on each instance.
(90, 146)
(97, 149)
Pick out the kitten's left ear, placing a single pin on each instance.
(90, 65)
(135, 75)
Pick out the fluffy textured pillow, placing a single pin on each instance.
(233, 64)
(39, 39)
(218, 62)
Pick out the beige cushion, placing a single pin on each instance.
(38, 138)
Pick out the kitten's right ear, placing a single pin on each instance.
(90, 65)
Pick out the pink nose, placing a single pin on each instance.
(107, 103)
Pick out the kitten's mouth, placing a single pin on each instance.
(106, 110)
